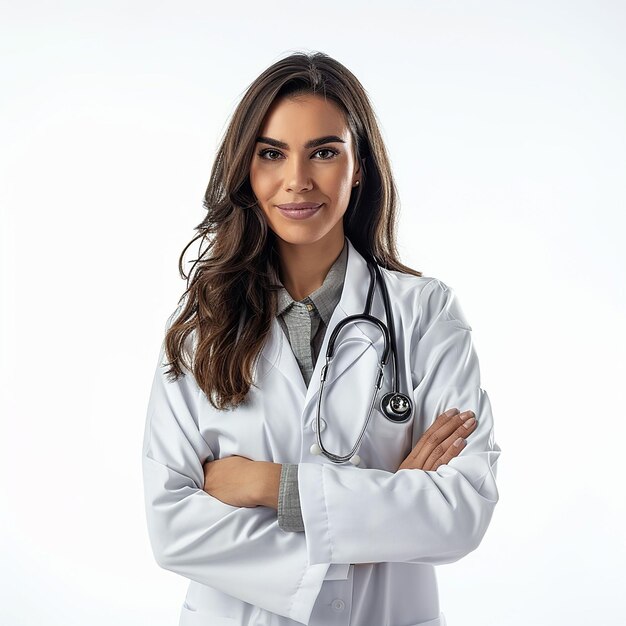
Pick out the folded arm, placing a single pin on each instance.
(356, 515)
(238, 550)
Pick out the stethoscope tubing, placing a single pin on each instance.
(395, 406)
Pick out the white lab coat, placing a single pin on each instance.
(372, 534)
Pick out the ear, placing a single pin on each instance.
(357, 171)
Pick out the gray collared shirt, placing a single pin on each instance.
(305, 323)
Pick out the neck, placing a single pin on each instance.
(303, 267)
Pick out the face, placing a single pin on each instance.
(304, 154)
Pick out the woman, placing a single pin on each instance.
(239, 499)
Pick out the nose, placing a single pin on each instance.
(297, 176)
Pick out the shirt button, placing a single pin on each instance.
(338, 604)
(314, 424)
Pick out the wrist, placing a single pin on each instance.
(270, 482)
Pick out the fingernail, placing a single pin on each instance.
(451, 412)
(469, 423)
(459, 442)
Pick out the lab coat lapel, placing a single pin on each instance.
(360, 336)
(282, 357)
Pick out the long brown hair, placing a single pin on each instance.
(230, 301)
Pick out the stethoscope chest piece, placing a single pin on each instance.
(395, 406)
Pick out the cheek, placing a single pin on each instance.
(263, 183)
(342, 184)
(331, 182)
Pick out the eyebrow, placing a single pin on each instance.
(312, 143)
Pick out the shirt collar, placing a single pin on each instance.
(326, 297)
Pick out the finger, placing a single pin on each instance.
(431, 443)
(455, 449)
(469, 426)
(444, 438)
(441, 420)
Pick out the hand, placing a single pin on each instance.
(233, 480)
(436, 446)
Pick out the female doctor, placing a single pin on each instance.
(300, 467)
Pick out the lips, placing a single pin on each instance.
(303, 210)
(290, 206)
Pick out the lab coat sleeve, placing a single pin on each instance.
(361, 515)
(240, 551)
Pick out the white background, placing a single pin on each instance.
(505, 122)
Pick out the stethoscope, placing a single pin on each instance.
(395, 406)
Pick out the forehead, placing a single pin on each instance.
(304, 117)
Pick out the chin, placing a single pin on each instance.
(299, 236)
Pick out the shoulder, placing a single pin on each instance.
(425, 299)
(405, 283)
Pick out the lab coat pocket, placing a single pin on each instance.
(204, 618)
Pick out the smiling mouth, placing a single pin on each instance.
(294, 206)
(300, 212)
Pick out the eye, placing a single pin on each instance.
(331, 150)
(264, 154)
